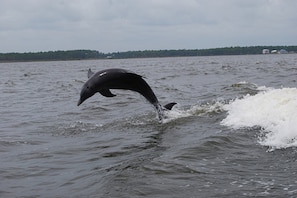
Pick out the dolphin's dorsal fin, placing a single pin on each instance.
(106, 93)
(90, 73)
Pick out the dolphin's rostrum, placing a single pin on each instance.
(105, 80)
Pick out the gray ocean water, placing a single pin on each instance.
(116, 147)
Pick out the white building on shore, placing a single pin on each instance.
(265, 51)
(274, 51)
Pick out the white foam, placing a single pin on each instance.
(199, 109)
(174, 114)
(274, 110)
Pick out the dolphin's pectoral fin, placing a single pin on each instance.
(169, 105)
(106, 93)
(90, 73)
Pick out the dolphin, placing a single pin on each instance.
(107, 79)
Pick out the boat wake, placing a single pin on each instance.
(273, 110)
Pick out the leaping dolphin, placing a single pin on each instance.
(105, 80)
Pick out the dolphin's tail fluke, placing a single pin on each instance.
(160, 109)
(169, 105)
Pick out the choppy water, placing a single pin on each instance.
(232, 134)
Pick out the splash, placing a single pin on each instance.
(195, 110)
(174, 114)
(273, 110)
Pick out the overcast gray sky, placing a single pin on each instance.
(122, 25)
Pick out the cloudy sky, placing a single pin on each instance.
(122, 25)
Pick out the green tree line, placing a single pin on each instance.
(93, 54)
(52, 55)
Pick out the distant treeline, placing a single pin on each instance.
(52, 55)
(93, 54)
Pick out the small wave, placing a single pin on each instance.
(28, 74)
(6, 143)
(10, 83)
(73, 129)
(273, 110)
(246, 87)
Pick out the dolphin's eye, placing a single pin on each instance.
(89, 88)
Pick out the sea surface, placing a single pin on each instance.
(233, 132)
